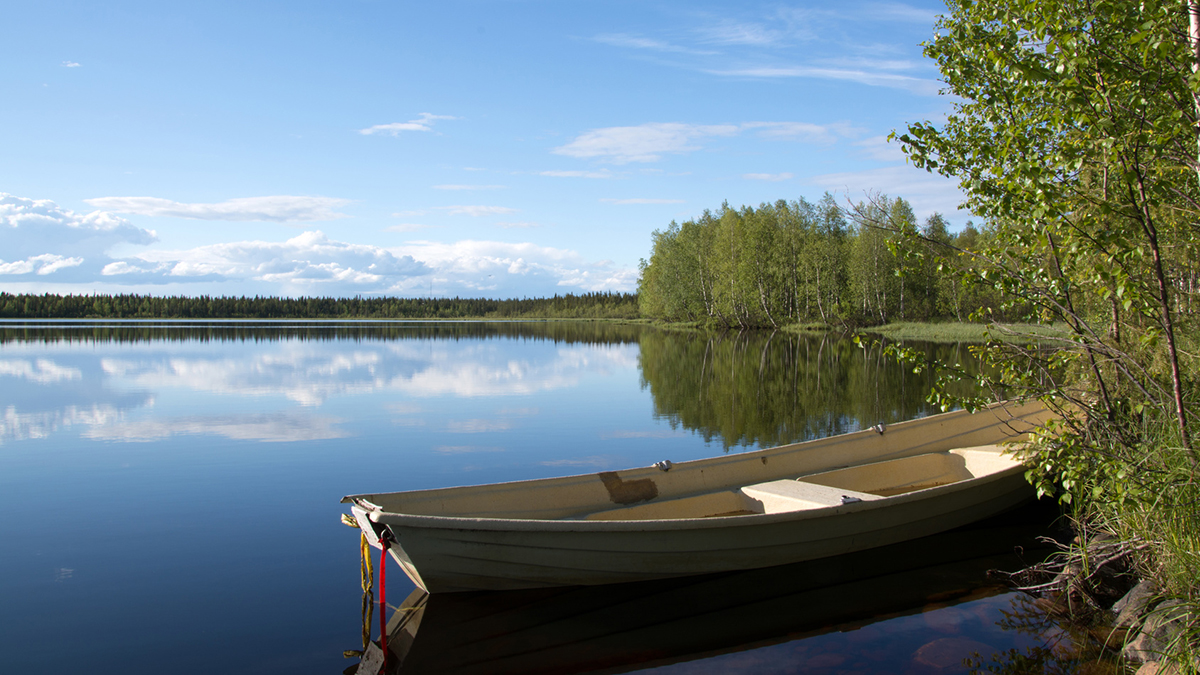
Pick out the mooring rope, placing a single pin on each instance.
(384, 545)
(367, 581)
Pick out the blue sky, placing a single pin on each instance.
(492, 148)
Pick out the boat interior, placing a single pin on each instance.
(864, 482)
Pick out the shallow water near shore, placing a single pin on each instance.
(170, 489)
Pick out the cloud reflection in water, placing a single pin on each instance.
(195, 383)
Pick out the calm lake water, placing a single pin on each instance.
(170, 492)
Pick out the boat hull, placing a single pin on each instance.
(557, 532)
(473, 556)
(629, 627)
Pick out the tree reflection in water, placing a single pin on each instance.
(767, 389)
(1058, 648)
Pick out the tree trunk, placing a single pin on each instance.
(1193, 7)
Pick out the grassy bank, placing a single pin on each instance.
(965, 332)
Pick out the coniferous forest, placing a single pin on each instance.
(49, 306)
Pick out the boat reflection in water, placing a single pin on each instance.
(626, 627)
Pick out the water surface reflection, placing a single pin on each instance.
(159, 474)
(921, 607)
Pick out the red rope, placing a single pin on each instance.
(383, 548)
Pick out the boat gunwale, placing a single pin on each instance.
(469, 523)
(688, 465)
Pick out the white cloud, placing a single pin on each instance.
(577, 174)
(277, 208)
(422, 123)
(925, 191)
(644, 143)
(121, 267)
(70, 251)
(477, 211)
(47, 263)
(39, 238)
(776, 177)
(70, 64)
(641, 200)
(502, 269)
(468, 187)
(304, 264)
(517, 225)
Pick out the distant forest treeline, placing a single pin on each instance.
(48, 306)
(791, 262)
(203, 330)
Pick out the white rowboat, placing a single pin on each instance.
(742, 511)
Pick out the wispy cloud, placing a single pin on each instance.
(423, 123)
(265, 427)
(577, 174)
(925, 191)
(649, 142)
(468, 187)
(405, 227)
(729, 32)
(866, 63)
(524, 224)
(897, 11)
(830, 42)
(465, 449)
(775, 177)
(658, 433)
(644, 143)
(803, 131)
(642, 200)
(638, 42)
(915, 85)
(70, 64)
(596, 461)
(477, 426)
(279, 208)
(405, 408)
(477, 211)
(878, 147)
